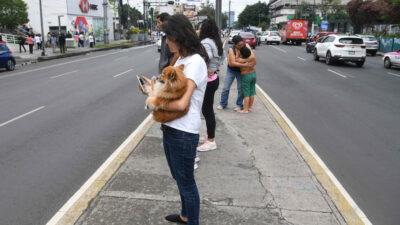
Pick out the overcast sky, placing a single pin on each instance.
(236, 5)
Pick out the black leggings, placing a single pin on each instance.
(207, 108)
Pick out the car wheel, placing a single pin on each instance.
(10, 65)
(387, 63)
(316, 57)
(308, 50)
(360, 64)
(328, 58)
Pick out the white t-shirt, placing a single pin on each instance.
(196, 70)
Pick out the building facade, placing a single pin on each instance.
(74, 16)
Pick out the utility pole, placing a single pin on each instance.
(105, 21)
(144, 14)
(41, 22)
(229, 20)
(218, 13)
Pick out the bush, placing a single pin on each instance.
(134, 30)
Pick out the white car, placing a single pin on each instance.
(233, 33)
(371, 43)
(391, 59)
(341, 48)
(269, 37)
(159, 45)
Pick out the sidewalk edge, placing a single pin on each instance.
(343, 201)
(77, 204)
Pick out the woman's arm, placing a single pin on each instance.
(232, 61)
(250, 59)
(184, 102)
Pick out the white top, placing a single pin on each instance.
(196, 70)
(91, 38)
(38, 39)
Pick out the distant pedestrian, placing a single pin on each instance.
(21, 42)
(246, 62)
(82, 39)
(91, 40)
(38, 41)
(61, 41)
(69, 35)
(31, 42)
(212, 43)
(53, 42)
(1, 40)
(232, 73)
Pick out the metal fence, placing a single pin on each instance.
(388, 44)
(9, 38)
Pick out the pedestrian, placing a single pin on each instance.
(76, 38)
(30, 43)
(53, 42)
(91, 40)
(69, 35)
(181, 136)
(21, 42)
(232, 73)
(61, 41)
(1, 40)
(246, 62)
(38, 41)
(167, 58)
(212, 43)
(82, 39)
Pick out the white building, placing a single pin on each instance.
(75, 16)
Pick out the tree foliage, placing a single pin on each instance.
(333, 10)
(209, 11)
(13, 13)
(129, 15)
(366, 13)
(254, 14)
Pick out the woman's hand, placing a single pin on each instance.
(210, 73)
(147, 86)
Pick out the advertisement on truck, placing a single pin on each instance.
(295, 32)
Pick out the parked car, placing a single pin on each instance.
(233, 33)
(341, 48)
(371, 43)
(257, 34)
(249, 38)
(270, 37)
(391, 59)
(159, 44)
(310, 46)
(6, 59)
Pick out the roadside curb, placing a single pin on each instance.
(78, 203)
(343, 201)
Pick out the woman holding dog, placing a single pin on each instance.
(181, 136)
(211, 40)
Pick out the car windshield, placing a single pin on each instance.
(246, 35)
(3, 48)
(369, 39)
(274, 34)
(351, 41)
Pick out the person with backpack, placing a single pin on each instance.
(21, 42)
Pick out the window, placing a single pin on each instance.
(353, 41)
(246, 35)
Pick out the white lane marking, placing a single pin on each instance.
(278, 49)
(397, 75)
(105, 166)
(64, 74)
(60, 64)
(337, 73)
(301, 58)
(310, 149)
(123, 73)
(21, 116)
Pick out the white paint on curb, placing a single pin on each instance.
(340, 187)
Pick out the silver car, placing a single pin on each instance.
(371, 43)
(233, 33)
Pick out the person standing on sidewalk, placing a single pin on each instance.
(38, 41)
(21, 42)
(61, 41)
(1, 40)
(211, 40)
(167, 58)
(91, 40)
(82, 39)
(181, 136)
(232, 73)
(246, 62)
(53, 42)
(30, 43)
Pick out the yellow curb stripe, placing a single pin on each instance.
(343, 201)
(77, 204)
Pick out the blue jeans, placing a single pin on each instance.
(229, 77)
(180, 147)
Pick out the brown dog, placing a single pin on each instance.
(169, 86)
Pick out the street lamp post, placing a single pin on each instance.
(105, 22)
(59, 24)
(41, 22)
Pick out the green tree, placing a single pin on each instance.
(365, 13)
(129, 15)
(263, 25)
(254, 14)
(13, 13)
(209, 11)
(305, 11)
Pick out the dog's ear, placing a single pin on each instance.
(182, 66)
(172, 74)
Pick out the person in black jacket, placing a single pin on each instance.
(61, 40)
(21, 42)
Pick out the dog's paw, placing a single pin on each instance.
(150, 104)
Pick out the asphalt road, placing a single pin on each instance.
(349, 115)
(59, 121)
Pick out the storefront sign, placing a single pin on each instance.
(84, 5)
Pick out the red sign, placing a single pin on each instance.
(84, 5)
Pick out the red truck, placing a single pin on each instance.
(295, 32)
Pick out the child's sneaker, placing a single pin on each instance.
(207, 146)
(203, 138)
(197, 158)
(195, 165)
